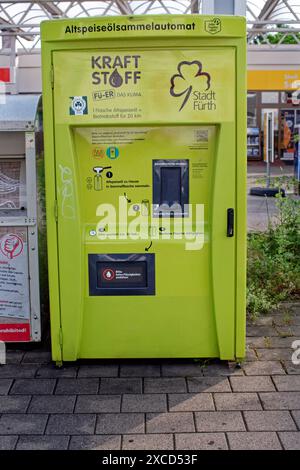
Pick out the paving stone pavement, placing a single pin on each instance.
(158, 404)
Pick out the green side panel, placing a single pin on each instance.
(136, 117)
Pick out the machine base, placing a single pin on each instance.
(267, 192)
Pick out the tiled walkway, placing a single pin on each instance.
(158, 404)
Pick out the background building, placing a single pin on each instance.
(273, 54)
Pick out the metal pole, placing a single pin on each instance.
(268, 172)
(224, 7)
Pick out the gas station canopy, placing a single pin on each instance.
(20, 19)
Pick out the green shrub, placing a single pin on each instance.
(273, 272)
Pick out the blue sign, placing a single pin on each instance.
(112, 152)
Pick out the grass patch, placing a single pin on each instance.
(273, 270)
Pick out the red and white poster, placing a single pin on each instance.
(287, 131)
(14, 285)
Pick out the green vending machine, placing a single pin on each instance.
(145, 158)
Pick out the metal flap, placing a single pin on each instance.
(18, 112)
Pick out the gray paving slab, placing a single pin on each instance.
(8, 442)
(148, 402)
(17, 404)
(182, 369)
(50, 371)
(280, 400)
(52, 404)
(275, 354)
(208, 384)
(288, 320)
(23, 424)
(251, 354)
(290, 368)
(5, 385)
(296, 416)
(37, 357)
(14, 357)
(253, 441)
(43, 443)
(201, 441)
(165, 385)
(264, 321)
(120, 423)
(258, 214)
(71, 424)
(292, 305)
(289, 330)
(252, 383)
(208, 421)
(140, 370)
(148, 442)
(18, 371)
(254, 330)
(169, 422)
(77, 386)
(121, 385)
(263, 368)
(33, 387)
(95, 442)
(259, 341)
(287, 383)
(269, 421)
(237, 401)
(290, 440)
(221, 370)
(98, 404)
(269, 342)
(101, 370)
(190, 402)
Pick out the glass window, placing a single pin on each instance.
(269, 97)
(251, 110)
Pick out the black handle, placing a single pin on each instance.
(230, 222)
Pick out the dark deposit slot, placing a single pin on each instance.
(170, 188)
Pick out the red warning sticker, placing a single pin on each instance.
(108, 274)
(14, 332)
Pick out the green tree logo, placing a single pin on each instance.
(189, 77)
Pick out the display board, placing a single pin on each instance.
(14, 285)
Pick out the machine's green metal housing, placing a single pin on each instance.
(198, 308)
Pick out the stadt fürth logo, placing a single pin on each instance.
(191, 81)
